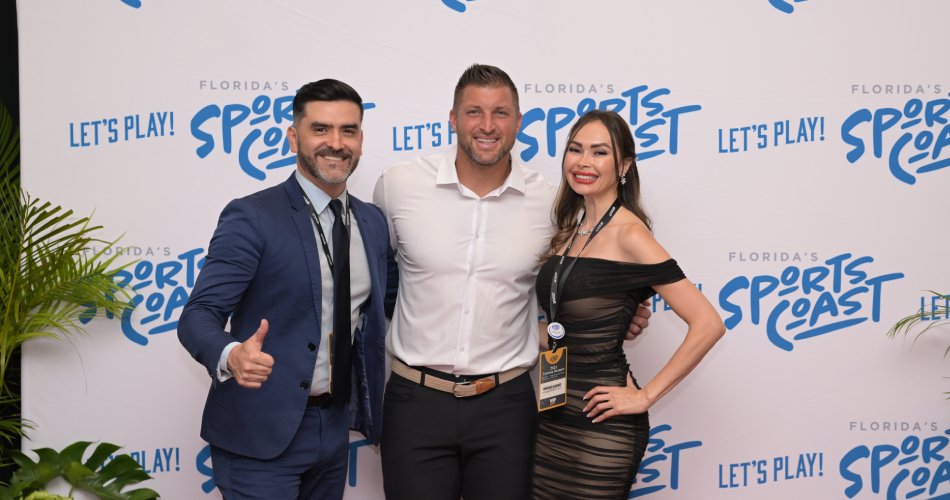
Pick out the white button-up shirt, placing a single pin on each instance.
(467, 265)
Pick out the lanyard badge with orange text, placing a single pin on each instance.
(552, 378)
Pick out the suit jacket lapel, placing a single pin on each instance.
(308, 239)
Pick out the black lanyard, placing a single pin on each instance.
(316, 220)
(557, 289)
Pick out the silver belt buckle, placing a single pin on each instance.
(455, 388)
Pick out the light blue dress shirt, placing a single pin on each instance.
(359, 285)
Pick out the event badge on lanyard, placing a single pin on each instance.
(326, 251)
(552, 377)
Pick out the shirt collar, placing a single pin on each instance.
(448, 175)
(317, 196)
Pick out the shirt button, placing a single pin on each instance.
(477, 236)
(471, 273)
(463, 349)
(466, 311)
(311, 346)
(304, 385)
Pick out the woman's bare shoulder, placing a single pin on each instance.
(638, 244)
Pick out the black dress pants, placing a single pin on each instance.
(439, 447)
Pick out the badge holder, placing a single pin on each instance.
(552, 379)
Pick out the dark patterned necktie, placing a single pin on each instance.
(340, 385)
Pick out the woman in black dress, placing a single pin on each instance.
(591, 447)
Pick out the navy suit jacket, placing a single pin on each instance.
(263, 263)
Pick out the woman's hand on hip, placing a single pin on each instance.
(605, 402)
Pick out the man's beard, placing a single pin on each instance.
(311, 165)
(507, 143)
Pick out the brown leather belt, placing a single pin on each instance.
(323, 400)
(460, 389)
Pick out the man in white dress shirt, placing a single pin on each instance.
(468, 226)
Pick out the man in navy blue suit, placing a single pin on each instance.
(307, 275)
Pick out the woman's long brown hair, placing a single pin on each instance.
(569, 203)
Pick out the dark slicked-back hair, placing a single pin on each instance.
(327, 89)
(482, 75)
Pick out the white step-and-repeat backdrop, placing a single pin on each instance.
(792, 153)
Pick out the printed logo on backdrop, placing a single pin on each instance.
(918, 146)
(657, 300)
(159, 460)
(111, 130)
(660, 466)
(781, 133)
(160, 286)
(258, 130)
(781, 468)
(916, 466)
(163, 460)
(655, 123)
(804, 303)
(203, 463)
(133, 3)
(649, 113)
(456, 5)
(784, 6)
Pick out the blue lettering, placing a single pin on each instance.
(178, 299)
(824, 304)
(878, 461)
(851, 457)
(554, 125)
(932, 447)
(405, 138)
(229, 121)
(876, 283)
(734, 285)
(880, 125)
(202, 116)
(674, 464)
(634, 95)
(811, 277)
(836, 263)
(674, 116)
(129, 124)
(852, 306)
(535, 115)
(771, 330)
(436, 134)
(757, 293)
(859, 276)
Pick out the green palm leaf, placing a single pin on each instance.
(48, 277)
(906, 324)
(106, 483)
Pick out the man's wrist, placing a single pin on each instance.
(224, 369)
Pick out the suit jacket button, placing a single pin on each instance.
(304, 385)
(312, 346)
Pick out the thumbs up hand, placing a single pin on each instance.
(249, 365)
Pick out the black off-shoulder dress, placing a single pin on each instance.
(574, 458)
